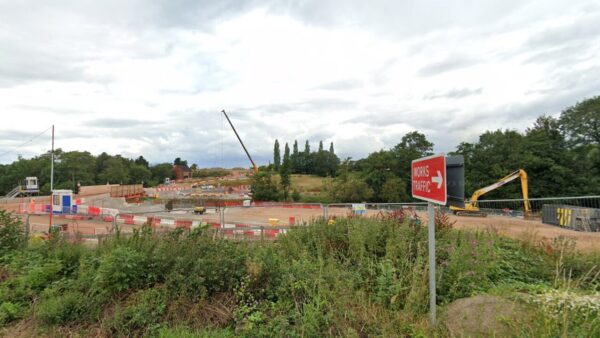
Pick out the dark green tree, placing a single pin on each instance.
(263, 187)
(139, 174)
(101, 165)
(306, 159)
(581, 122)
(142, 161)
(285, 173)
(295, 158)
(348, 187)
(495, 155)
(115, 171)
(276, 156)
(161, 171)
(73, 167)
(393, 190)
(412, 146)
(376, 170)
(551, 165)
(179, 161)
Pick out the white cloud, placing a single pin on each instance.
(137, 78)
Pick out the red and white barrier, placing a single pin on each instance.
(170, 188)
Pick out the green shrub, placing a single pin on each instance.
(9, 312)
(25, 287)
(12, 235)
(67, 308)
(355, 276)
(182, 332)
(141, 315)
(562, 313)
(120, 270)
(210, 267)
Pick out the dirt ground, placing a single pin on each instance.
(509, 226)
(482, 316)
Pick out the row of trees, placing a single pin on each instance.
(73, 167)
(561, 156)
(383, 176)
(321, 162)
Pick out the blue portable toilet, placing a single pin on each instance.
(62, 201)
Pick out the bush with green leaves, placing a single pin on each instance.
(355, 276)
(140, 315)
(12, 233)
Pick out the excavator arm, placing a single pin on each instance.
(472, 205)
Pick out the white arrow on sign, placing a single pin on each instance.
(438, 179)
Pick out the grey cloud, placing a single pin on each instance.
(52, 43)
(117, 123)
(397, 18)
(19, 63)
(61, 111)
(314, 105)
(200, 14)
(584, 29)
(347, 84)
(455, 93)
(17, 136)
(561, 55)
(512, 116)
(448, 64)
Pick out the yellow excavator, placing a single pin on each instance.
(471, 207)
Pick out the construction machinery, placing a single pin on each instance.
(199, 210)
(472, 208)
(254, 167)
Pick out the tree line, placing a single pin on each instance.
(73, 167)
(321, 162)
(561, 156)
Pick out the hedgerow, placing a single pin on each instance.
(351, 277)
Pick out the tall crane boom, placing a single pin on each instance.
(254, 167)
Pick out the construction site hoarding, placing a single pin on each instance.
(96, 189)
(127, 190)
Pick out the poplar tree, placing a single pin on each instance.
(276, 156)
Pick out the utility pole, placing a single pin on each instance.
(52, 163)
(51, 181)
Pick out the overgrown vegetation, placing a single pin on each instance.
(350, 277)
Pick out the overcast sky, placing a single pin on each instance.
(151, 77)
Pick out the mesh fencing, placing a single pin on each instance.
(269, 220)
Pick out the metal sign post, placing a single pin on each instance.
(439, 180)
(431, 250)
(428, 176)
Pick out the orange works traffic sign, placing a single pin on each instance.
(429, 179)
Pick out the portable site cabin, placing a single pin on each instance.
(62, 202)
(30, 185)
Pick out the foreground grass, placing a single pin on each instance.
(357, 277)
